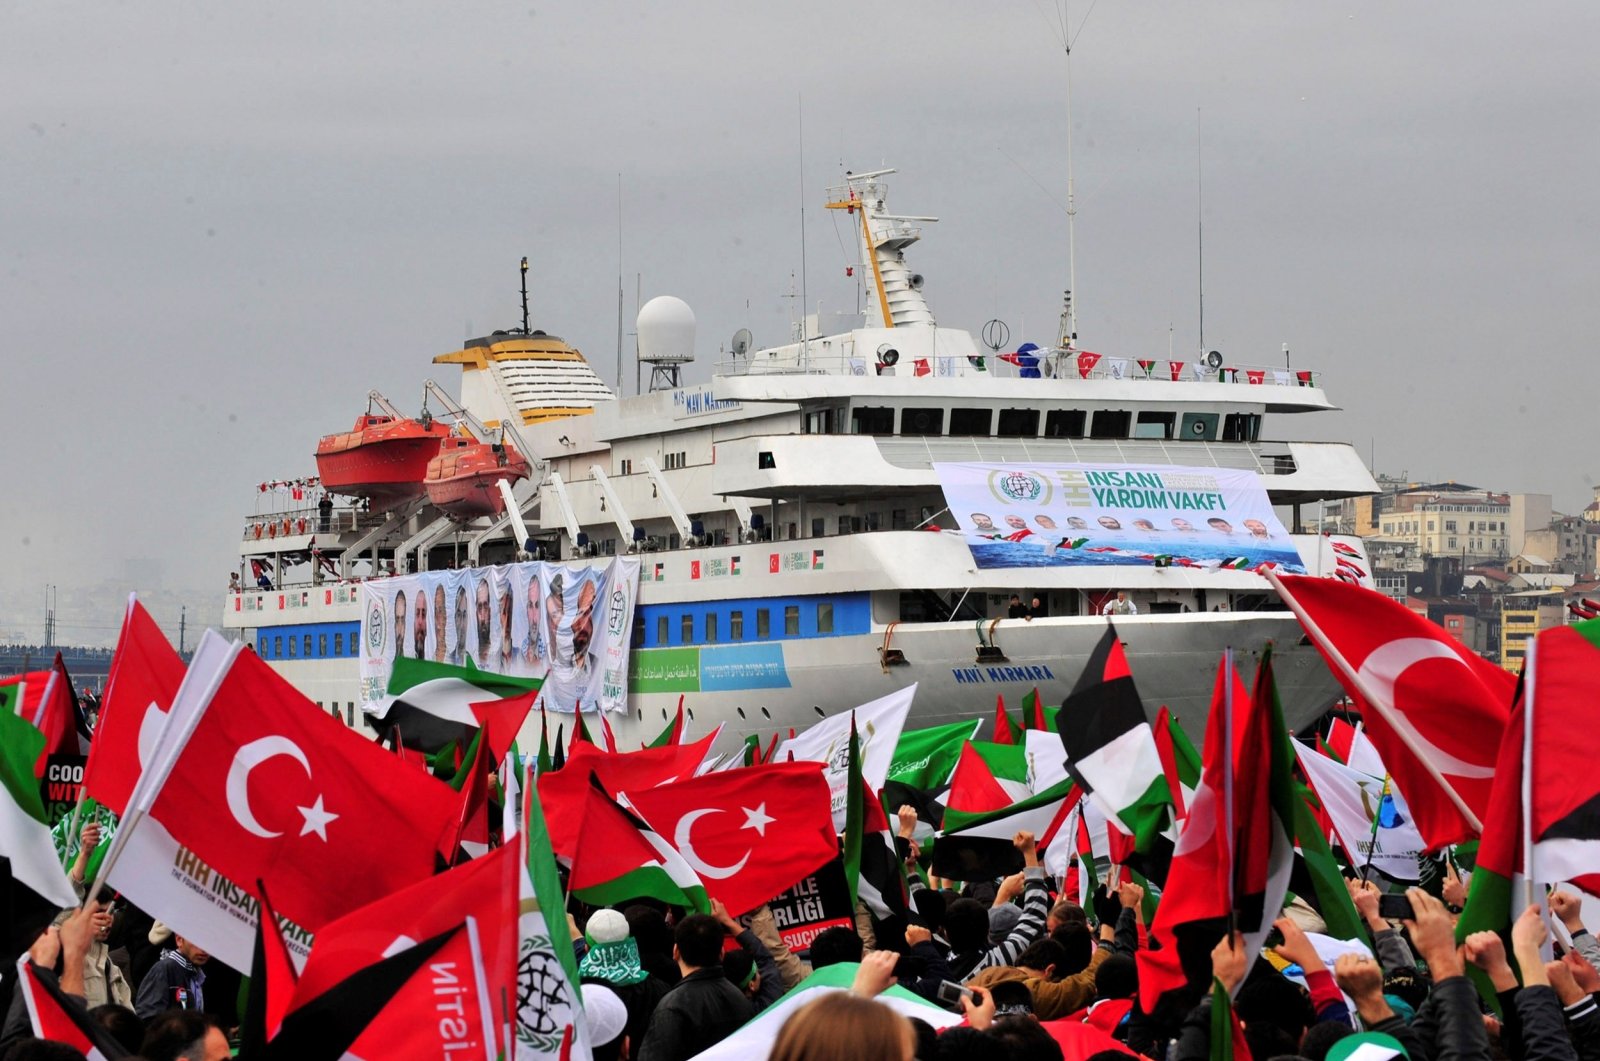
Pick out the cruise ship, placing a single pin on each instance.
(789, 524)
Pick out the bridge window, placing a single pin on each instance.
(897, 519)
(663, 630)
(322, 645)
(638, 630)
(1155, 425)
(1019, 423)
(294, 647)
(1241, 427)
(687, 630)
(824, 618)
(791, 620)
(1111, 423)
(711, 627)
(277, 647)
(970, 421)
(1064, 423)
(922, 422)
(338, 644)
(763, 624)
(736, 626)
(872, 420)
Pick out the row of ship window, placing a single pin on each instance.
(1024, 423)
(708, 627)
(308, 646)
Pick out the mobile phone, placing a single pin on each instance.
(1394, 907)
(951, 994)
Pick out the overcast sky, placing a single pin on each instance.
(223, 223)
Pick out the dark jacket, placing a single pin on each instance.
(1544, 1029)
(1035, 908)
(171, 983)
(1583, 1024)
(771, 980)
(701, 1011)
(1450, 1024)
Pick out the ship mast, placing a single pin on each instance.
(1069, 336)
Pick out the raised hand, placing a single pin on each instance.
(876, 974)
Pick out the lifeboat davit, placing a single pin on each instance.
(462, 479)
(382, 458)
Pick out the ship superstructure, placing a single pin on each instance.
(797, 552)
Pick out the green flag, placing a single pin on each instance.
(24, 834)
(544, 946)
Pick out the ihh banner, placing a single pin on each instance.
(569, 625)
(1072, 515)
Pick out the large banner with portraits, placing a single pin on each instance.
(1078, 515)
(569, 625)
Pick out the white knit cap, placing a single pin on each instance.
(604, 1013)
(607, 926)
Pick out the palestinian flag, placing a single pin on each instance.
(271, 984)
(1003, 731)
(973, 787)
(924, 760)
(619, 857)
(25, 840)
(1559, 692)
(1227, 1034)
(872, 868)
(62, 1018)
(1563, 684)
(431, 703)
(673, 734)
(1235, 850)
(1111, 748)
(978, 846)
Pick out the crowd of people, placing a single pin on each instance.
(1014, 969)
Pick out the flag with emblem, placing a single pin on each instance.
(1434, 709)
(549, 1014)
(873, 870)
(748, 833)
(880, 723)
(259, 783)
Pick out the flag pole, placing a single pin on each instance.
(1529, 686)
(1227, 782)
(1350, 674)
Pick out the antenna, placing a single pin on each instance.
(1200, 223)
(619, 285)
(800, 129)
(1071, 337)
(525, 328)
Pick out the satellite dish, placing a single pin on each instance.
(1214, 359)
(741, 342)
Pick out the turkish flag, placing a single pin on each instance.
(1452, 708)
(485, 889)
(267, 786)
(145, 675)
(748, 833)
(1086, 363)
(564, 792)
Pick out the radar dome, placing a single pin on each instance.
(666, 331)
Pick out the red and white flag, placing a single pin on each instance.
(259, 783)
(748, 833)
(1435, 710)
(145, 675)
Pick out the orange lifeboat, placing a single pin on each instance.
(382, 458)
(461, 480)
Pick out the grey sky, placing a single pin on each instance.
(222, 224)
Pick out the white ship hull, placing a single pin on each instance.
(1174, 660)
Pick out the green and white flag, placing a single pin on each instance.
(431, 703)
(24, 835)
(549, 1003)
